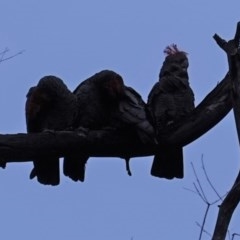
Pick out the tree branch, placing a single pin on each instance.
(232, 199)
(5, 58)
(110, 143)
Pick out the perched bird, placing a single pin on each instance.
(170, 100)
(49, 106)
(104, 101)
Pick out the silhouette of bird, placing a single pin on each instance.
(49, 106)
(170, 100)
(104, 101)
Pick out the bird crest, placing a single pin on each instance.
(172, 49)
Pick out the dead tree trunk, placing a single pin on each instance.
(232, 199)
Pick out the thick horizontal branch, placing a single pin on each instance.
(102, 143)
(109, 143)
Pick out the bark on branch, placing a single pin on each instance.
(232, 199)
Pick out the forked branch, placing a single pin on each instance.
(232, 199)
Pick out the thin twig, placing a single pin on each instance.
(235, 234)
(4, 51)
(204, 221)
(198, 189)
(10, 57)
(209, 182)
(205, 231)
(199, 184)
(199, 193)
(3, 54)
(190, 190)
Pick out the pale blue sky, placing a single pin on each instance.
(75, 39)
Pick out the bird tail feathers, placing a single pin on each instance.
(46, 170)
(74, 167)
(168, 163)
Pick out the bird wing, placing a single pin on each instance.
(50, 105)
(133, 112)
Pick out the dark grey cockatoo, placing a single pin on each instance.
(49, 106)
(104, 101)
(170, 100)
